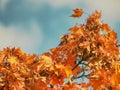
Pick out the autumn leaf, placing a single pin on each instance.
(72, 86)
(83, 89)
(113, 35)
(39, 85)
(13, 60)
(74, 29)
(19, 52)
(77, 31)
(77, 13)
(102, 39)
(106, 27)
(97, 14)
(114, 79)
(47, 61)
(67, 71)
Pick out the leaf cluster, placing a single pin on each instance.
(89, 51)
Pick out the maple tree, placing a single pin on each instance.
(89, 51)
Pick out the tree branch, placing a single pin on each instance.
(77, 64)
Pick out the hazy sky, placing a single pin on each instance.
(35, 25)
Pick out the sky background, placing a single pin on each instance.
(36, 25)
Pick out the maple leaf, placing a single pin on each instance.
(67, 71)
(19, 52)
(106, 27)
(29, 59)
(113, 35)
(77, 13)
(77, 31)
(97, 14)
(47, 61)
(39, 85)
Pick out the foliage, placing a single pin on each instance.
(89, 51)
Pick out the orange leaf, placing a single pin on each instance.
(105, 27)
(76, 71)
(72, 86)
(113, 34)
(29, 59)
(97, 14)
(102, 39)
(77, 13)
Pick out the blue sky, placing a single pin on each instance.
(35, 25)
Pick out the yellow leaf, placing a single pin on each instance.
(45, 62)
(68, 72)
(13, 60)
(114, 79)
(83, 89)
(88, 48)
